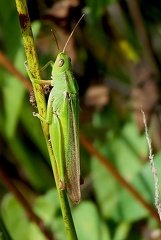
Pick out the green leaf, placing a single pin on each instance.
(47, 206)
(129, 209)
(13, 94)
(4, 235)
(105, 187)
(16, 221)
(37, 173)
(89, 225)
(13, 90)
(86, 218)
(88, 222)
(122, 231)
(123, 150)
(128, 148)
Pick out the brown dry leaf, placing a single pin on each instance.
(61, 9)
(60, 20)
(97, 96)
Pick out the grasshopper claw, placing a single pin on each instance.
(35, 114)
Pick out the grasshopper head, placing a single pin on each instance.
(62, 64)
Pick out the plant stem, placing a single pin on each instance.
(41, 104)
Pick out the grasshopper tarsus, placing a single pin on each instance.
(26, 65)
(62, 184)
(35, 114)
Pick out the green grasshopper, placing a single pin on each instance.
(63, 119)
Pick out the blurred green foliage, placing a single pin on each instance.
(107, 48)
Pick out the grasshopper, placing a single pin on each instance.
(63, 119)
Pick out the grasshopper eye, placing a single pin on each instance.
(61, 62)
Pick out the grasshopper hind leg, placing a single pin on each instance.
(57, 145)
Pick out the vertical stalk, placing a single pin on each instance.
(41, 104)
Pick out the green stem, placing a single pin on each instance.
(41, 104)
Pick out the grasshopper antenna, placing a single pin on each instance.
(72, 33)
(55, 40)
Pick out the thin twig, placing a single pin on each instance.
(154, 171)
(5, 62)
